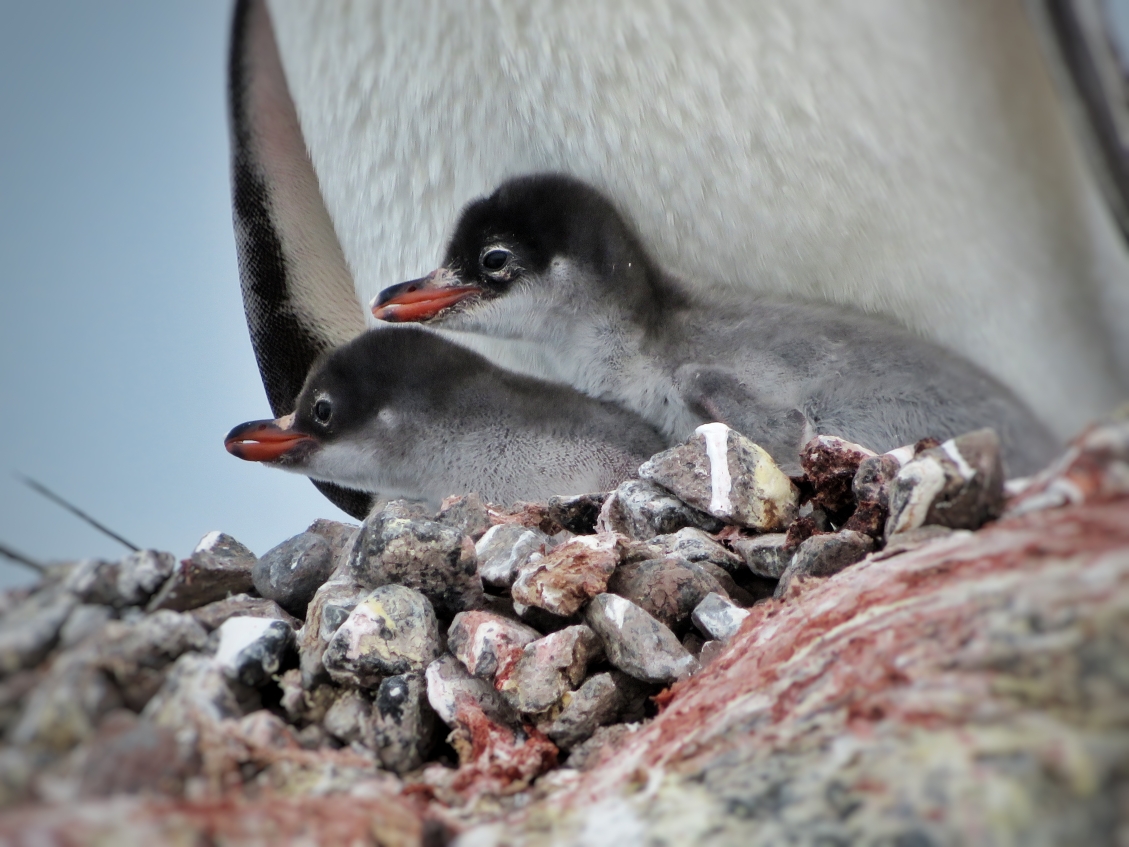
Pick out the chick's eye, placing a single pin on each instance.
(496, 259)
(323, 411)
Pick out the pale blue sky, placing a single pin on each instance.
(124, 356)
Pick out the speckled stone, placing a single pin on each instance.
(765, 555)
(599, 701)
(433, 559)
(504, 549)
(129, 581)
(28, 632)
(251, 650)
(392, 631)
(486, 642)
(718, 618)
(825, 555)
(402, 723)
(668, 589)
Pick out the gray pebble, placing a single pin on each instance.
(764, 555)
(290, 573)
(505, 548)
(28, 632)
(218, 567)
(642, 510)
(718, 618)
(825, 555)
(129, 581)
(402, 725)
(636, 643)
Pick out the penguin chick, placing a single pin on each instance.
(547, 259)
(405, 413)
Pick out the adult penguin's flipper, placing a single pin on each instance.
(297, 289)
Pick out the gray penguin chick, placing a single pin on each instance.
(405, 413)
(546, 263)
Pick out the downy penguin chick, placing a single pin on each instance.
(404, 413)
(548, 260)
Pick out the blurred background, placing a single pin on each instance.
(124, 356)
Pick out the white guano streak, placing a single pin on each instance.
(716, 436)
(953, 452)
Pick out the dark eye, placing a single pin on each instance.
(323, 411)
(495, 260)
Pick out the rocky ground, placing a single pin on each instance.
(893, 649)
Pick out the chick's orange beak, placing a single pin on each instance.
(421, 299)
(264, 441)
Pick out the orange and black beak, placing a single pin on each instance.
(422, 299)
(265, 441)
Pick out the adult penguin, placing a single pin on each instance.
(911, 159)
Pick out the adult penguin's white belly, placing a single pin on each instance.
(908, 157)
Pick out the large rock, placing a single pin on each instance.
(434, 559)
(727, 476)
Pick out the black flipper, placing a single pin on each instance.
(297, 289)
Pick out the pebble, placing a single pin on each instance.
(241, 605)
(338, 535)
(218, 567)
(65, 707)
(129, 581)
(636, 643)
(577, 514)
(28, 632)
(718, 617)
(137, 654)
(596, 703)
(726, 475)
(642, 510)
(830, 465)
(564, 580)
(548, 667)
(329, 608)
(448, 682)
(958, 484)
(505, 548)
(82, 623)
(433, 559)
(251, 650)
(765, 555)
(668, 589)
(825, 555)
(468, 513)
(195, 692)
(485, 642)
(345, 720)
(291, 572)
(392, 631)
(401, 728)
(694, 545)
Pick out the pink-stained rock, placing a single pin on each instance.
(1094, 468)
(830, 464)
(487, 643)
(568, 577)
